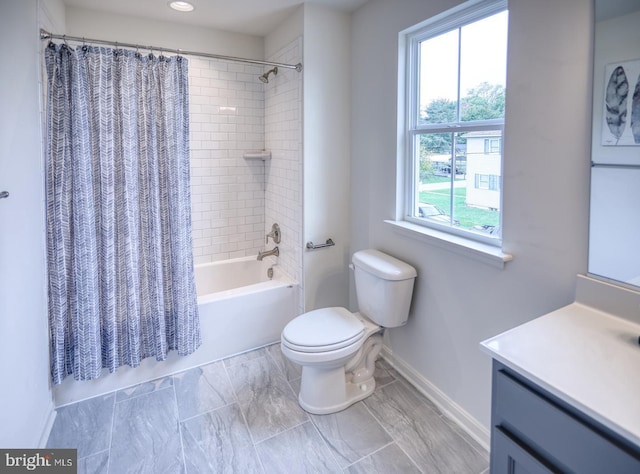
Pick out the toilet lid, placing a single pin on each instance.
(322, 330)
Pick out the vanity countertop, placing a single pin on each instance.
(586, 357)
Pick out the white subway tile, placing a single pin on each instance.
(232, 112)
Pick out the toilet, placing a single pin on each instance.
(336, 348)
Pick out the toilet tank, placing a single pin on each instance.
(384, 286)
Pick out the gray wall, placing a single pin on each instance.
(327, 142)
(25, 398)
(458, 302)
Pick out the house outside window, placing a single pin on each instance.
(455, 101)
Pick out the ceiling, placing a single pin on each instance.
(252, 17)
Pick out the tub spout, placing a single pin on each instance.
(267, 253)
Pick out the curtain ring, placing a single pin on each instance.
(64, 38)
(84, 45)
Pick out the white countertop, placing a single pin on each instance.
(584, 356)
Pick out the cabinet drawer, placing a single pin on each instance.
(510, 457)
(564, 439)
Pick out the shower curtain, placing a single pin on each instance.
(119, 247)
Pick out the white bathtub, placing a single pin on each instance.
(240, 309)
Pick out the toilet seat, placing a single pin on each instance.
(323, 330)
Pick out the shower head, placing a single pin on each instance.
(265, 77)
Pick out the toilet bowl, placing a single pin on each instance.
(326, 342)
(336, 348)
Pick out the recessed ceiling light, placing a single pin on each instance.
(181, 6)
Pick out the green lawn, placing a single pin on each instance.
(432, 178)
(468, 216)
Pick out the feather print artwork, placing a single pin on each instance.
(635, 113)
(616, 101)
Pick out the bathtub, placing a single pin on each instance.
(240, 308)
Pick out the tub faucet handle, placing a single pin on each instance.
(274, 234)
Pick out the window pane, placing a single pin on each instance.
(470, 183)
(438, 79)
(483, 68)
(477, 202)
(433, 199)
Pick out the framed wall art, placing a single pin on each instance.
(621, 111)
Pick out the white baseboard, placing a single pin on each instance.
(447, 406)
(48, 424)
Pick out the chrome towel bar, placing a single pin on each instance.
(312, 246)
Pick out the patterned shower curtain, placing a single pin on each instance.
(120, 263)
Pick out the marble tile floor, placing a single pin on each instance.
(240, 415)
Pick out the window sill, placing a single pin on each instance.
(479, 251)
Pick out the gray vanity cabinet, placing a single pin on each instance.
(534, 432)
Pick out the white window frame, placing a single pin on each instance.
(492, 181)
(492, 145)
(458, 17)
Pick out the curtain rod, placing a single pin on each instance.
(44, 35)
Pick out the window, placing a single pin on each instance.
(455, 102)
(491, 145)
(487, 181)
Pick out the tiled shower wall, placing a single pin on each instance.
(226, 103)
(234, 200)
(283, 193)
